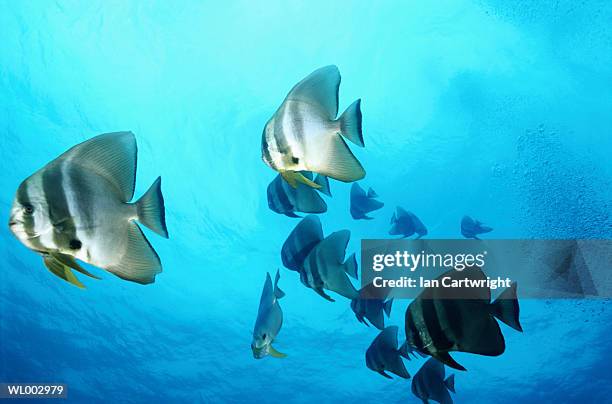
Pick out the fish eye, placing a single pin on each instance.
(28, 209)
(263, 336)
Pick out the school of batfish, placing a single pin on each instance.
(78, 208)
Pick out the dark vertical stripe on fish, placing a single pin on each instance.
(432, 323)
(283, 198)
(29, 221)
(58, 212)
(280, 137)
(413, 333)
(83, 207)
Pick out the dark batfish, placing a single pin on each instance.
(286, 200)
(306, 235)
(371, 309)
(405, 224)
(304, 134)
(269, 320)
(471, 228)
(363, 203)
(77, 207)
(441, 320)
(429, 384)
(325, 268)
(383, 354)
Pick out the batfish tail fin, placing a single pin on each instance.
(506, 308)
(450, 383)
(151, 210)
(140, 262)
(350, 123)
(370, 205)
(485, 229)
(350, 266)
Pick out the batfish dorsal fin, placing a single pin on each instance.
(320, 88)
(268, 291)
(401, 212)
(61, 271)
(139, 262)
(332, 249)
(110, 155)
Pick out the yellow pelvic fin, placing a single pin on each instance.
(274, 353)
(293, 177)
(62, 271)
(69, 261)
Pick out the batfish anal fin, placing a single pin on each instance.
(323, 294)
(445, 358)
(140, 263)
(382, 372)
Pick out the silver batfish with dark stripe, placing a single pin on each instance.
(269, 320)
(304, 134)
(367, 307)
(286, 200)
(300, 242)
(429, 383)
(325, 268)
(363, 203)
(77, 207)
(384, 356)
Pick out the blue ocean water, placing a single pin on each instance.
(497, 109)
